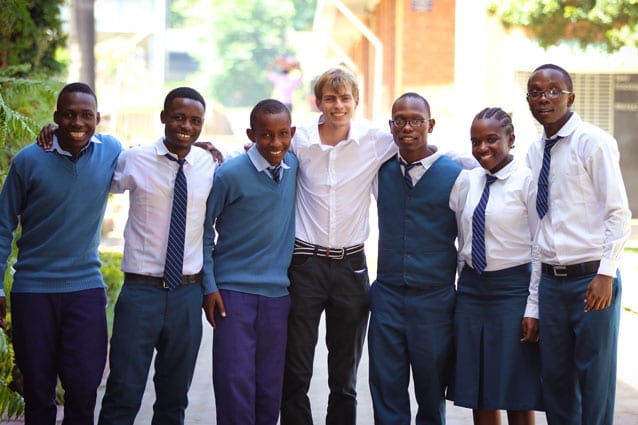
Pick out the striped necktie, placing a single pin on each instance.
(173, 266)
(275, 172)
(478, 228)
(542, 196)
(406, 172)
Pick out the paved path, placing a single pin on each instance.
(202, 407)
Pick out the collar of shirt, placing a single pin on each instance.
(353, 133)
(568, 128)
(162, 150)
(417, 172)
(55, 146)
(259, 161)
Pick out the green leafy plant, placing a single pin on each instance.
(113, 278)
(11, 403)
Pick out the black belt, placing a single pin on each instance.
(305, 248)
(159, 281)
(573, 270)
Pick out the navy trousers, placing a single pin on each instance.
(249, 348)
(340, 288)
(60, 335)
(149, 319)
(411, 329)
(578, 352)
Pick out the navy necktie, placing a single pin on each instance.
(478, 228)
(173, 266)
(275, 172)
(406, 172)
(542, 195)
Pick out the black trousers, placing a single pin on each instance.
(340, 288)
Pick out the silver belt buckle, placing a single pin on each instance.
(164, 284)
(559, 271)
(341, 255)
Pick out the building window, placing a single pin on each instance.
(422, 5)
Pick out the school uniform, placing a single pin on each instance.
(58, 298)
(494, 370)
(582, 234)
(149, 318)
(253, 216)
(412, 300)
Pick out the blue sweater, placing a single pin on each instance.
(417, 228)
(60, 206)
(254, 218)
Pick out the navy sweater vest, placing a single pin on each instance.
(417, 228)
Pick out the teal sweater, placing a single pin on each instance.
(417, 228)
(60, 206)
(254, 219)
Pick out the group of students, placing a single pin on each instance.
(273, 239)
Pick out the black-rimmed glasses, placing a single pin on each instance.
(550, 94)
(400, 122)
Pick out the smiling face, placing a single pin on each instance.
(552, 114)
(272, 134)
(412, 140)
(491, 143)
(183, 122)
(76, 116)
(337, 106)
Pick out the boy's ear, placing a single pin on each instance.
(251, 134)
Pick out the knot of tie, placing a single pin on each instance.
(542, 195)
(275, 172)
(406, 172)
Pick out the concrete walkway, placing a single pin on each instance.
(201, 409)
(202, 405)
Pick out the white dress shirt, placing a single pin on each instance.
(588, 217)
(149, 177)
(510, 223)
(334, 183)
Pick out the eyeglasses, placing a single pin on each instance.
(400, 122)
(549, 94)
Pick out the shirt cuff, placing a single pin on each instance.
(531, 310)
(608, 267)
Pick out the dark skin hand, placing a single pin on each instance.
(530, 329)
(217, 155)
(213, 303)
(3, 312)
(599, 293)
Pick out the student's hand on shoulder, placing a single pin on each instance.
(213, 304)
(530, 329)
(247, 146)
(45, 137)
(599, 293)
(3, 312)
(217, 155)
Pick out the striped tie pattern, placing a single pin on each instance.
(542, 196)
(478, 228)
(406, 172)
(177, 233)
(275, 172)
